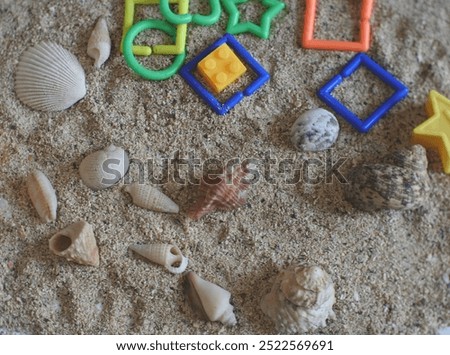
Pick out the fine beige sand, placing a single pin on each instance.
(390, 268)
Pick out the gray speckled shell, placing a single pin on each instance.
(315, 130)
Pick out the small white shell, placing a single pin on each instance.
(49, 78)
(42, 195)
(151, 198)
(5, 210)
(76, 243)
(99, 44)
(315, 130)
(166, 255)
(212, 302)
(104, 168)
(301, 299)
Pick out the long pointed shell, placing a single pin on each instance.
(104, 168)
(99, 44)
(42, 195)
(76, 243)
(167, 255)
(151, 198)
(212, 302)
(49, 78)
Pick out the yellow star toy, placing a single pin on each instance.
(434, 133)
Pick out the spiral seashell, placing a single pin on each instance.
(49, 78)
(42, 195)
(301, 300)
(151, 198)
(224, 192)
(76, 243)
(402, 183)
(104, 168)
(167, 255)
(210, 301)
(99, 44)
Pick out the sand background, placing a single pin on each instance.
(391, 269)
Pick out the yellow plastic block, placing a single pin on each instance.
(220, 68)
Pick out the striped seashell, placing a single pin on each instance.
(167, 255)
(151, 198)
(99, 44)
(49, 78)
(42, 195)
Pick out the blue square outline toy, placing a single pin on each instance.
(361, 125)
(222, 108)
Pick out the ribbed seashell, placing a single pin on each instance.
(151, 198)
(315, 130)
(210, 301)
(402, 183)
(104, 168)
(76, 243)
(224, 192)
(42, 195)
(301, 300)
(49, 78)
(99, 44)
(167, 255)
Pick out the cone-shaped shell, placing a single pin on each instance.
(104, 168)
(76, 243)
(42, 195)
(167, 255)
(212, 302)
(151, 198)
(99, 44)
(49, 78)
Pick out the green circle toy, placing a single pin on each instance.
(203, 20)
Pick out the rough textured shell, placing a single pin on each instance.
(49, 78)
(402, 183)
(151, 198)
(99, 44)
(76, 243)
(42, 195)
(104, 168)
(301, 300)
(210, 301)
(315, 130)
(167, 255)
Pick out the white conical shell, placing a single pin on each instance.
(42, 195)
(210, 300)
(99, 44)
(76, 243)
(151, 198)
(49, 78)
(104, 168)
(163, 254)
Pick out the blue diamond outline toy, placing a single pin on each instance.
(363, 125)
(222, 108)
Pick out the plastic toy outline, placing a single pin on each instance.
(262, 30)
(180, 40)
(362, 45)
(222, 108)
(434, 133)
(365, 125)
(131, 59)
(203, 20)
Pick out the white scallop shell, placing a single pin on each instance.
(104, 168)
(208, 299)
(301, 299)
(151, 198)
(42, 195)
(167, 255)
(76, 243)
(99, 44)
(49, 78)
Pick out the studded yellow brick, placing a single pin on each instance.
(220, 68)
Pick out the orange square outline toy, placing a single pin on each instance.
(363, 45)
